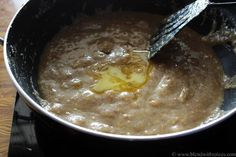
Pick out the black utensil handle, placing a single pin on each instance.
(1, 41)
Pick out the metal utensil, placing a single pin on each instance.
(174, 23)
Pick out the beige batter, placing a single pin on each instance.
(93, 74)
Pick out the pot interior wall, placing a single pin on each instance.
(39, 20)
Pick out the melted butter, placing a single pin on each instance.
(123, 77)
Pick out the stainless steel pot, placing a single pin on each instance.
(38, 20)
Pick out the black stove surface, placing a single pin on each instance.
(33, 136)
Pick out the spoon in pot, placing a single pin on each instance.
(174, 23)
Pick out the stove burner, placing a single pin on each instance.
(36, 136)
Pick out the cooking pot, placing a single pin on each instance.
(39, 20)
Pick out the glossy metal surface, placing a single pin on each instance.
(173, 24)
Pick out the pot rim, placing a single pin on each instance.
(37, 107)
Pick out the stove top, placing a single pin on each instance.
(33, 136)
(23, 140)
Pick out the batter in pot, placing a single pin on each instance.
(95, 73)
